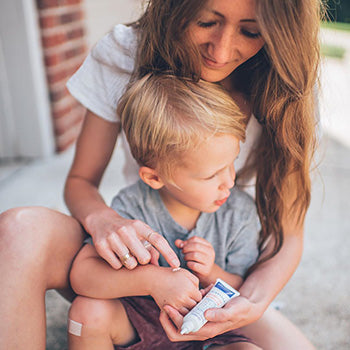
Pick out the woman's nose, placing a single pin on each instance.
(221, 48)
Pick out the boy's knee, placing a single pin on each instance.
(91, 316)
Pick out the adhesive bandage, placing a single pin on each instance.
(74, 327)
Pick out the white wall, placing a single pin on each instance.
(102, 15)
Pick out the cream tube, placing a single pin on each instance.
(217, 297)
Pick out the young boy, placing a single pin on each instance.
(185, 137)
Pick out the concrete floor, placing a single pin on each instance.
(316, 298)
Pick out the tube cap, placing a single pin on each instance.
(187, 327)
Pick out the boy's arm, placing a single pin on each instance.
(93, 277)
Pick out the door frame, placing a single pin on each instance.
(26, 128)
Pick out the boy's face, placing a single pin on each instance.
(202, 181)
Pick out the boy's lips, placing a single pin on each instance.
(221, 201)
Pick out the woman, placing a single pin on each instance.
(265, 53)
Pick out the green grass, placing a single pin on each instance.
(332, 51)
(336, 25)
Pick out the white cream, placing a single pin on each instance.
(217, 297)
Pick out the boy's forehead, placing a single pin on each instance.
(213, 153)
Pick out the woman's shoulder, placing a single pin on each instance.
(117, 48)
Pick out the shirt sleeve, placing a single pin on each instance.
(101, 80)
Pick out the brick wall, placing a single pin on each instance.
(64, 46)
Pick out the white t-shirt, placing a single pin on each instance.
(101, 80)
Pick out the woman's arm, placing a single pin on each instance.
(111, 233)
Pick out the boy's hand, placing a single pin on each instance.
(199, 255)
(180, 289)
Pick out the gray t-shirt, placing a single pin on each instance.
(233, 230)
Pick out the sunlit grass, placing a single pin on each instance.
(336, 25)
(332, 51)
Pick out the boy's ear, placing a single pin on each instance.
(150, 177)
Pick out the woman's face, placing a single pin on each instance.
(227, 35)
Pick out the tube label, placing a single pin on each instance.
(217, 297)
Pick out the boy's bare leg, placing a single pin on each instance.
(274, 331)
(37, 246)
(99, 324)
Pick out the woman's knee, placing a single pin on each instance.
(21, 234)
(41, 240)
(92, 316)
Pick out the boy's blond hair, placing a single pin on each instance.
(163, 116)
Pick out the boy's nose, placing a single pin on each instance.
(229, 178)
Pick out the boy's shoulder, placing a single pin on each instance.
(135, 192)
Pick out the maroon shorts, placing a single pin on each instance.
(143, 313)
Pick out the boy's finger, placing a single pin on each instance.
(205, 290)
(179, 243)
(196, 256)
(173, 315)
(195, 247)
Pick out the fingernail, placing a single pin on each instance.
(175, 262)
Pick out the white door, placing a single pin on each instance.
(25, 121)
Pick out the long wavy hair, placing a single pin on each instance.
(279, 81)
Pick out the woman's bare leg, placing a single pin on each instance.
(37, 246)
(275, 332)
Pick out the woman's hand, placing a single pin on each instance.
(199, 255)
(179, 289)
(114, 237)
(235, 314)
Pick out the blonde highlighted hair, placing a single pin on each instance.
(163, 116)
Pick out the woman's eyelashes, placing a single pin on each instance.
(206, 24)
(248, 33)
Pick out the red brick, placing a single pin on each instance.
(54, 39)
(76, 33)
(71, 17)
(70, 119)
(59, 111)
(43, 4)
(54, 78)
(67, 139)
(58, 94)
(76, 51)
(63, 41)
(53, 59)
(48, 21)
